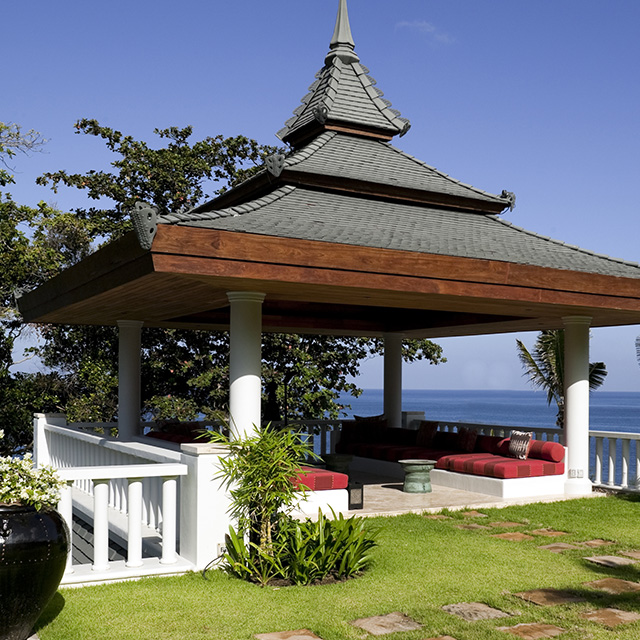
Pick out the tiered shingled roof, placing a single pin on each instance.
(349, 185)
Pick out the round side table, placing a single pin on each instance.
(417, 478)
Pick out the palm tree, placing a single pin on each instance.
(545, 368)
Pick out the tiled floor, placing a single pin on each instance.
(384, 496)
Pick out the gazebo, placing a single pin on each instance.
(346, 235)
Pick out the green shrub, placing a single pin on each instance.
(303, 552)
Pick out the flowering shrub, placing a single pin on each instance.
(22, 483)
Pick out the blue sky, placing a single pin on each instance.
(540, 97)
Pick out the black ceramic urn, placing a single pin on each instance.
(33, 554)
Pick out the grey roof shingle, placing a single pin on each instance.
(305, 214)
(344, 156)
(346, 93)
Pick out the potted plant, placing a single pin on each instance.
(34, 542)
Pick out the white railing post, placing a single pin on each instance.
(169, 496)
(611, 479)
(134, 534)
(599, 459)
(626, 455)
(41, 450)
(100, 524)
(204, 505)
(65, 508)
(637, 480)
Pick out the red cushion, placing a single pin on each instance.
(551, 451)
(320, 479)
(499, 466)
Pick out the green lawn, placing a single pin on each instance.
(420, 565)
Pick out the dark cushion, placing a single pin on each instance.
(426, 433)
(320, 479)
(445, 440)
(466, 440)
(488, 444)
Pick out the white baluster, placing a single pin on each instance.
(65, 508)
(134, 532)
(100, 525)
(637, 482)
(611, 479)
(626, 456)
(599, 459)
(169, 520)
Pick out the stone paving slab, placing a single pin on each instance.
(611, 561)
(558, 547)
(549, 597)
(473, 611)
(474, 514)
(472, 526)
(441, 638)
(597, 543)
(299, 634)
(533, 630)
(614, 586)
(611, 617)
(632, 554)
(550, 533)
(505, 525)
(513, 536)
(389, 623)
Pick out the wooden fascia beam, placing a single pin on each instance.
(322, 258)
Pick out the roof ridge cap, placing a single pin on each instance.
(573, 247)
(308, 150)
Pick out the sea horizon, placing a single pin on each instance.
(609, 410)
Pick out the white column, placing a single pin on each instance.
(129, 378)
(576, 381)
(245, 349)
(393, 379)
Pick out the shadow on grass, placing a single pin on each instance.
(52, 611)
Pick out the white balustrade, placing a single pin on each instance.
(101, 477)
(622, 451)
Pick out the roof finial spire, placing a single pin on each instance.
(342, 44)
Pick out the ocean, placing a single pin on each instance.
(609, 410)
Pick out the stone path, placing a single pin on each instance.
(549, 597)
(473, 611)
(533, 630)
(513, 536)
(389, 623)
(300, 634)
(611, 617)
(558, 547)
(613, 562)
(614, 586)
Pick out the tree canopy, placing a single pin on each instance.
(185, 373)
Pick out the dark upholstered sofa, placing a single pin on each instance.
(464, 452)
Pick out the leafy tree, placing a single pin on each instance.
(544, 367)
(185, 372)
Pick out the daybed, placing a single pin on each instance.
(465, 460)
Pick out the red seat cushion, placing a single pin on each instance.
(320, 479)
(499, 467)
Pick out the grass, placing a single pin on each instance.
(420, 565)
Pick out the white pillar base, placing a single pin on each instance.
(578, 487)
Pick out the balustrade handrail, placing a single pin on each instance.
(622, 435)
(157, 470)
